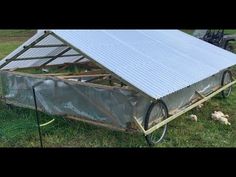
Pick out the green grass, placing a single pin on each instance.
(18, 129)
(228, 31)
(11, 39)
(18, 126)
(16, 33)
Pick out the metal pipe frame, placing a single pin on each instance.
(55, 57)
(37, 114)
(43, 57)
(37, 117)
(204, 99)
(46, 46)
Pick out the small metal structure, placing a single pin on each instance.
(216, 37)
(135, 80)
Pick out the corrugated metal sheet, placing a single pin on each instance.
(50, 40)
(62, 60)
(40, 52)
(25, 64)
(156, 62)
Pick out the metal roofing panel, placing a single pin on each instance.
(62, 60)
(25, 64)
(39, 52)
(157, 62)
(49, 40)
(71, 52)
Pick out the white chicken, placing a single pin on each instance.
(193, 117)
(220, 116)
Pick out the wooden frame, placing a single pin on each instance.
(81, 76)
(204, 99)
(137, 123)
(53, 76)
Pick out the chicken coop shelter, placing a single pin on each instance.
(131, 79)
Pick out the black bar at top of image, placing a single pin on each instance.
(120, 15)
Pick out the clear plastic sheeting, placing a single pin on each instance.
(178, 100)
(112, 106)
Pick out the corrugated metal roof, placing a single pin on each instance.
(156, 62)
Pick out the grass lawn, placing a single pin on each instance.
(18, 126)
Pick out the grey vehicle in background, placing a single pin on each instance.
(217, 38)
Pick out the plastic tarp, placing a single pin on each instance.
(112, 106)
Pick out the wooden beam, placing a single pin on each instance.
(79, 76)
(95, 79)
(66, 65)
(42, 76)
(139, 125)
(149, 131)
(82, 119)
(54, 74)
(96, 123)
(97, 71)
(199, 94)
